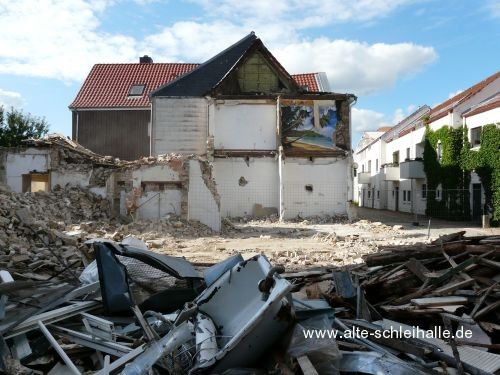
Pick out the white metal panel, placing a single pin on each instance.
(180, 125)
(316, 187)
(243, 184)
(244, 126)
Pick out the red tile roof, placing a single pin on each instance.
(107, 85)
(308, 80)
(445, 107)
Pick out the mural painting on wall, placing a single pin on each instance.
(308, 126)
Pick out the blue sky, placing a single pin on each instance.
(395, 55)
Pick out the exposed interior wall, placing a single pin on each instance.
(243, 125)
(150, 191)
(203, 200)
(247, 186)
(70, 178)
(317, 187)
(180, 125)
(256, 75)
(23, 162)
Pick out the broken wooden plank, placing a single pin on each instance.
(451, 287)
(418, 269)
(449, 237)
(439, 301)
(487, 310)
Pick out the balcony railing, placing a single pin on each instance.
(364, 178)
(391, 172)
(410, 169)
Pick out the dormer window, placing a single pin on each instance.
(136, 90)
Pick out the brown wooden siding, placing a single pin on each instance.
(122, 134)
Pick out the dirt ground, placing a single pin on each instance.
(309, 242)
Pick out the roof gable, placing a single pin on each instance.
(214, 74)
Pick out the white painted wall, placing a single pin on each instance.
(154, 173)
(202, 205)
(439, 123)
(180, 125)
(155, 205)
(238, 125)
(386, 197)
(69, 178)
(262, 185)
(24, 162)
(481, 119)
(328, 177)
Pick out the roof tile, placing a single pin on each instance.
(107, 85)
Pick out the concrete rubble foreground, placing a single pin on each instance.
(79, 295)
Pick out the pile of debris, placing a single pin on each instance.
(135, 311)
(33, 241)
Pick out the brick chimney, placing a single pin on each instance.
(145, 59)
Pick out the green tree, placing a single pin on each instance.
(16, 126)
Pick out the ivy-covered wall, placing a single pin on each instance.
(486, 163)
(447, 172)
(453, 171)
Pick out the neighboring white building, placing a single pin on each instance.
(390, 172)
(379, 183)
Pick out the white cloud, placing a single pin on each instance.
(493, 8)
(402, 113)
(63, 39)
(176, 43)
(57, 39)
(354, 66)
(302, 13)
(367, 120)
(10, 99)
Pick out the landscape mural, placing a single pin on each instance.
(300, 128)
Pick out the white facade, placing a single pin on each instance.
(241, 138)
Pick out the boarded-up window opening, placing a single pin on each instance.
(34, 182)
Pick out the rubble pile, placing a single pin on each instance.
(33, 241)
(43, 233)
(134, 311)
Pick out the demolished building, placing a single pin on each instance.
(275, 148)
(235, 136)
(147, 189)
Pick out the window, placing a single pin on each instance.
(376, 165)
(136, 90)
(362, 167)
(424, 191)
(408, 153)
(438, 194)
(475, 136)
(369, 193)
(406, 195)
(439, 151)
(369, 166)
(378, 194)
(395, 158)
